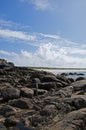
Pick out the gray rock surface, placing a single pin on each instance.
(39, 100)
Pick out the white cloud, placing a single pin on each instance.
(50, 36)
(6, 53)
(48, 55)
(26, 54)
(7, 33)
(5, 23)
(12, 25)
(40, 4)
(49, 50)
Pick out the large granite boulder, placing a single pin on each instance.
(10, 93)
(79, 85)
(75, 120)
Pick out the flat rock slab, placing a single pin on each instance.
(79, 85)
(75, 120)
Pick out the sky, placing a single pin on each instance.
(43, 33)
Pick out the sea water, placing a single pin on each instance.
(76, 75)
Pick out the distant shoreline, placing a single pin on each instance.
(57, 68)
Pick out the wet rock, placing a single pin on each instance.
(64, 74)
(80, 74)
(71, 73)
(80, 78)
(71, 80)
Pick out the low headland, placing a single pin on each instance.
(33, 99)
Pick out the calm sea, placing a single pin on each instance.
(59, 71)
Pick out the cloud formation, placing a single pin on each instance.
(12, 25)
(7, 33)
(40, 4)
(48, 49)
(48, 55)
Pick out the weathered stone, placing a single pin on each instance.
(49, 78)
(79, 101)
(23, 103)
(27, 92)
(36, 80)
(79, 85)
(40, 92)
(63, 78)
(11, 121)
(49, 110)
(47, 86)
(10, 93)
(32, 99)
(80, 78)
(2, 127)
(7, 109)
(75, 120)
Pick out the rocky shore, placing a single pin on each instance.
(39, 100)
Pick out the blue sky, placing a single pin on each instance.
(48, 33)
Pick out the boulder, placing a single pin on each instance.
(23, 103)
(40, 92)
(11, 121)
(7, 109)
(10, 93)
(71, 80)
(49, 78)
(80, 78)
(36, 80)
(49, 110)
(21, 126)
(63, 78)
(4, 63)
(79, 101)
(75, 120)
(79, 85)
(47, 86)
(2, 127)
(27, 92)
